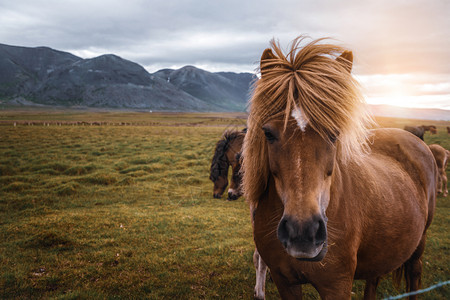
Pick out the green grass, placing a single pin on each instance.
(126, 212)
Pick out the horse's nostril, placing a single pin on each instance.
(321, 233)
(283, 232)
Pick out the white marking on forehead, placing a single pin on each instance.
(301, 119)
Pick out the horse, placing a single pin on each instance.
(441, 155)
(331, 199)
(226, 153)
(431, 128)
(419, 131)
(448, 129)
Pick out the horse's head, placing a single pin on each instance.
(220, 184)
(432, 129)
(301, 163)
(224, 156)
(306, 116)
(219, 169)
(235, 189)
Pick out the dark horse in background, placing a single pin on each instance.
(331, 200)
(419, 131)
(226, 154)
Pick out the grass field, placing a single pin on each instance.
(126, 212)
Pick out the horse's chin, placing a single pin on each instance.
(316, 255)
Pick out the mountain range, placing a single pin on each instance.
(44, 76)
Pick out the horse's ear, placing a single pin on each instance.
(346, 59)
(267, 55)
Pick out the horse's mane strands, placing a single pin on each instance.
(314, 80)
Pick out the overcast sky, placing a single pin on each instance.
(401, 48)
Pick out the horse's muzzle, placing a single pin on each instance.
(232, 196)
(305, 240)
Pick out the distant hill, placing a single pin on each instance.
(21, 69)
(410, 113)
(43, 76)
(230, 91)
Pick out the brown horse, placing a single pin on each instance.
(431, 128)
(331, 200)
(226, 153)
(419, 131)
(441, 156)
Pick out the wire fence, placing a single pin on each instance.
(437, 285)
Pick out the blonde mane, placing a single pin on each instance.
(316, 81)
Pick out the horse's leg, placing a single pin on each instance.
(337, 282)
(286, 290)
(413, 269)
(261, 269)
(444, 184)
(336, 290)
(370, 291)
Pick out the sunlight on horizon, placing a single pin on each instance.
(407, 90)
(425, 101)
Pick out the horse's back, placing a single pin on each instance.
(418, 131)
(412, 154)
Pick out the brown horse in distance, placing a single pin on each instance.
(226, 154)
(419, 131)
(331, 200)
(431, 128)
(441, 156)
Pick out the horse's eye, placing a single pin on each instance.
(333, 138)
(269, 136)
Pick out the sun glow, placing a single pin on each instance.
(397, 95)
(405, 90)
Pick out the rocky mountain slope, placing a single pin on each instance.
(226, 90)
(50, 77)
